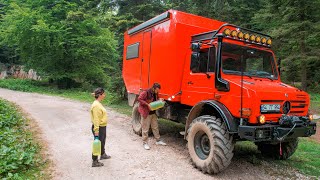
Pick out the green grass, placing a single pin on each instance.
(122, 107)
(306, 159)
(20, 154)
(315, 103)
(44, 88)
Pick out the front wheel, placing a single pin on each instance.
(273, 150)
(210, 145)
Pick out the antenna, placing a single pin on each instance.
(241, 91)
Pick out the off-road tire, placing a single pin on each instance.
(136, 120)
(273, 150)
(217, 156)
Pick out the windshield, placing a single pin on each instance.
(256, 63)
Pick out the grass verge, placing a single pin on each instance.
(20, 152)
(306, 159)
(315, 103)
(44, 88)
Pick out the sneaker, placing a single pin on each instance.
(146, 146)
(105, 156)
(96, 163)
(161, 143)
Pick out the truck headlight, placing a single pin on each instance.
(262, 119)
(311, 117)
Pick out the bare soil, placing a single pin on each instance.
(65, 126)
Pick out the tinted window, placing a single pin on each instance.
(255, 62)
(133, 51)
(204, 61)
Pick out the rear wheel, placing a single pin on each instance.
(136, 120)
(273, 150)
(210, 145)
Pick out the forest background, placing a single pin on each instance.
(79, 43)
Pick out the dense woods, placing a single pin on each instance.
(79, 43)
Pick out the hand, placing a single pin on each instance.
(161, 99)
(149, 106)
(96, 134)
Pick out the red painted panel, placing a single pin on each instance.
(170, 45)
(145, 61)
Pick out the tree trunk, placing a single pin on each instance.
(303, 74)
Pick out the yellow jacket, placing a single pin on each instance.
(98, 115)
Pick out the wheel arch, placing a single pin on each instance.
(209, 107)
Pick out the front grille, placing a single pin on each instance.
(297, 106)
(301, 96)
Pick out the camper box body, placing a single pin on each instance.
(158, 50)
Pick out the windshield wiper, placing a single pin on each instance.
(269, 78)
(248, 76)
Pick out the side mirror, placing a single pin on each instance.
(195, 47)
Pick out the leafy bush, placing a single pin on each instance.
(64, 42)
(19, 154)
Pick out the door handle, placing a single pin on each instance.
(142, 59)
(190, 82)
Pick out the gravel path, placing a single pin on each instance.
(65, 125)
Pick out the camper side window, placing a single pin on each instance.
(132, 51)
(204, 61)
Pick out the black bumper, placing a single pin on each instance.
(275, 132)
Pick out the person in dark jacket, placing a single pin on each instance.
(149, 117)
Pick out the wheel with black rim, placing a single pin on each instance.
(136, 120)
(210, 145)
(273, 150)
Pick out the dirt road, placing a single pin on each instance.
(65, 125)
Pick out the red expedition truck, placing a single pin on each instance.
(221, 81)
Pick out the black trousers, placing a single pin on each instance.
(102, 138)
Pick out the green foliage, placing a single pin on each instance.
(19, 154)
(296, 31)
(61, 40)
(80, 43)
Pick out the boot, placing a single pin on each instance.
(105, 156)
(161, 143)
(96, 163)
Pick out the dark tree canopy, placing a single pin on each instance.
(82, 41)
